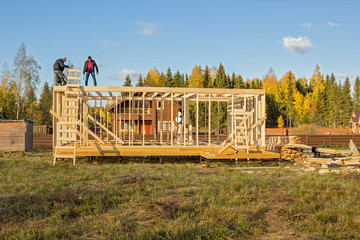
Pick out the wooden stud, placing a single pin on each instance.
(197, 119)
(209, 120)
(172, 123)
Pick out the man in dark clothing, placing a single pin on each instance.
(89, 68)
(58, 70)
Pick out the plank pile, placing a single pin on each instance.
(291, 153)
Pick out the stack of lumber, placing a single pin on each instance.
(350, 161)
(291, 153)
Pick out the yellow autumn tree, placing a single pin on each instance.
(196, 79)
(317, 83)
(270, 83)
(280, 122)
(153, 78)
(302, 113)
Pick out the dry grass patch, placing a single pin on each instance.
(171, 201)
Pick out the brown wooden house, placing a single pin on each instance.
(132, 115)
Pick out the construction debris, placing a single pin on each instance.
(353, 148)
(292, 153)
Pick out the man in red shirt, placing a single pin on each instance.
(89, 68)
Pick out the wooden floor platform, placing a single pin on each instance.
(208, 152)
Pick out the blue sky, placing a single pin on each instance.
(131, 37)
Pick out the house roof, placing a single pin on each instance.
(355, 116)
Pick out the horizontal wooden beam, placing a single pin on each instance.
(166, 90)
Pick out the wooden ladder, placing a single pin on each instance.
(66, 132)
(241, 130)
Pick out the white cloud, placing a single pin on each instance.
(351, 75)
(306, 25)
(121, 75)
(299, 45)
(332, 24)
(148, 28)
(342, 75)
(107, 44)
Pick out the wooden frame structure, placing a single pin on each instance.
(79, 131)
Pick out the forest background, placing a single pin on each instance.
(290, 100)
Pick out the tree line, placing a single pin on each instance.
(290, 101)
(18, 86)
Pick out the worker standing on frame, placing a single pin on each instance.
(59, 76)
(89, 68)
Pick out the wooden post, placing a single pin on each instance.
(232, 119)
(143, 118)
(218, 121)
(132, 127)
(129, 109)
(263, 133)
(172, 116)
(95, 117)
(101, 121)
(115, 123)
(209, 119)
(107, 119)
(184, 120)
(197, 119)
(161, 120)
(154, 118)
(120, 113)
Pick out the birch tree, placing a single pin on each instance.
(26, 76)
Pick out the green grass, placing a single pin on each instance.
(172, 201)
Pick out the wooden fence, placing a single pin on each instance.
(332, 140)
(45, 140)
(316, 140)
(42, 140)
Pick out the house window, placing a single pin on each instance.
(166, 126)
(140, 104)
(126, 126)
(159, 106)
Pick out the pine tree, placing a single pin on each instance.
(239, 82)
(356, 95)
(346, 102)
(270, 85)
(232, 80)
(255, 83)
(220, 80)
(333, 101)
(301, 85)
(127, 83)
(178, 80)
(45, 104)
(162, 80)
(317, 86)
(140, 81)
(207, 77)
(285, 96)
(31, 110)
(169, 80)
(186, 84)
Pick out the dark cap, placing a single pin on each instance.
(89, 57)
